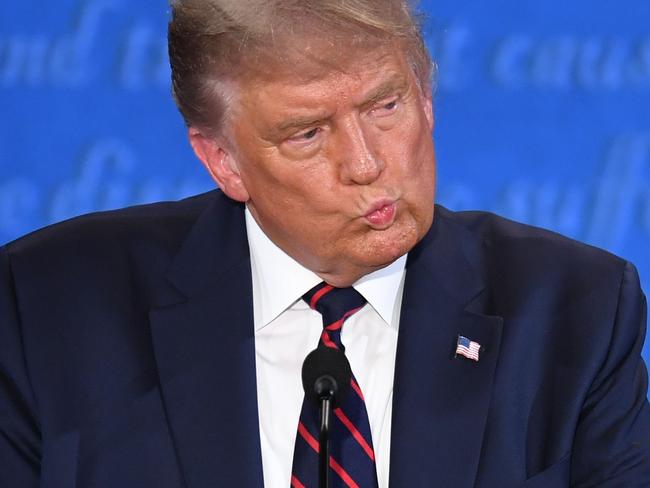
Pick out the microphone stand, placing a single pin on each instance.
(324, 441)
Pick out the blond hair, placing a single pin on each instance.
(213, 42)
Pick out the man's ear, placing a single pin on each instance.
(220, 163)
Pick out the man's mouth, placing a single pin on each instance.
(381, 214)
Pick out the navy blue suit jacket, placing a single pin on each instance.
(127, 356)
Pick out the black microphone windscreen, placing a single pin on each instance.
(325, 361)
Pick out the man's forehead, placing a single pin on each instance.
(369, 77)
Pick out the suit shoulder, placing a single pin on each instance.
(157, 224)
(517, 248)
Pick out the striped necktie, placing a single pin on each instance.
(352, 459)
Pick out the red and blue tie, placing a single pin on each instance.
(352, 459)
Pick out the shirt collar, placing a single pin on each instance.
(279, 280)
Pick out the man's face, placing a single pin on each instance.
(339, 171)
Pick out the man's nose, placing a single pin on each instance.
(359, 163)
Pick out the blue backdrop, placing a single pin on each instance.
(543, 114)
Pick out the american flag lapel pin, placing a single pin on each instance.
(467, 348)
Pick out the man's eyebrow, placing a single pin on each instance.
(300, 122)
(389, 87)
(383, 90)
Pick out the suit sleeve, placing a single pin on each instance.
(612, 440)
(20, 440)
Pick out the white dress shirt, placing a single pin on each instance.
(286, 330)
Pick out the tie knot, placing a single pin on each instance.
(334, 303)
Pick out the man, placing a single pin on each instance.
(161, 345)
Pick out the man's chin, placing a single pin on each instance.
(388, 245)
(379, 259)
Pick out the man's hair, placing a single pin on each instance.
(216, 42)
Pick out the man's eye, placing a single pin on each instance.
(386, 108)
(309, 135)
(305, 136)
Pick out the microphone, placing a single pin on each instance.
(326, 373)
(326, 377)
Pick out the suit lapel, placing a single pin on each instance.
(204, 345)
(440, 402)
